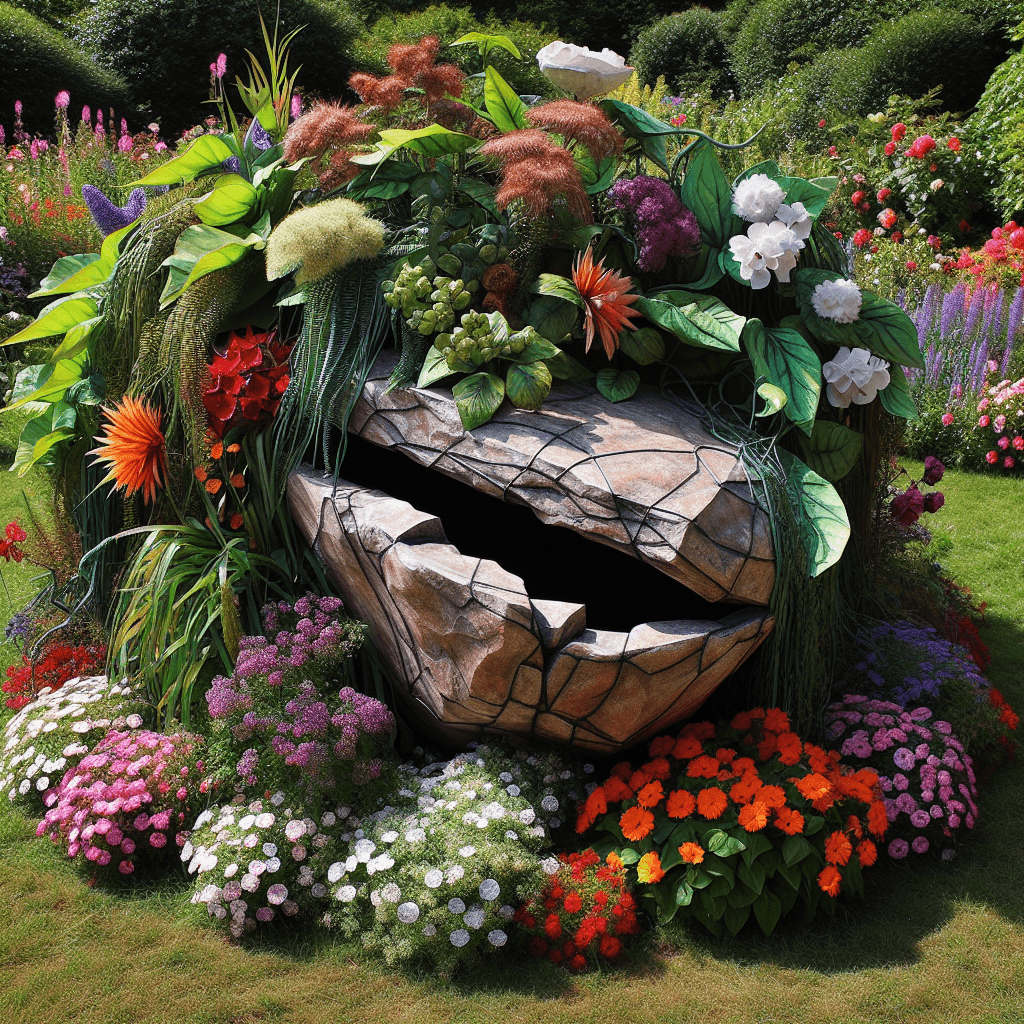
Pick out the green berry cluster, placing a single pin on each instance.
(480, 337)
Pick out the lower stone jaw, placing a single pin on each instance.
(477, 655)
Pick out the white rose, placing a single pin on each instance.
(837, 300)
(854, 375)
(757, 198)
(583, 72)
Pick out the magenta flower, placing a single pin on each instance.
(933, 470)
(62, 99)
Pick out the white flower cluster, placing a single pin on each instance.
(255, 861)
(776, 234)
(854, 375)
(837, 300)
(437, 874)
(51, 735)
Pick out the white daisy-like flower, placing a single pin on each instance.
(273, 864)
(456, 906)
(527, 815)
(364, 850)
(298, 853)
(549, 803)
(455, 873)
(256, 867)
(251, 841)
(391, 893)
(507, 912)
(854, 375)
(269, 849)
(209, 893)
(494, 810)
(415, 835)
(346, 894)
(389, 837)
(327, 819)
(375, 898)
(295, 830)
(757, 198)
(467, 851)
(459, 937)
(230, 871)
(351, 862)
(186, 850)
(765, 247)
(42, 783)
(496, 937)
(247, 822)
(505, 777)
(408, 913)
(134, 721)
(433, 878)
(277, 894)
(474, 918)
(335, 872)
(512, 790)
(837, 300)
(489, 890)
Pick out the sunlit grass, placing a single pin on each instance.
(931, 942)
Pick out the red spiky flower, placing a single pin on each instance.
(606, 299)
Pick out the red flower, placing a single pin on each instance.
(954, 144)
(898, 131)
(573, 904)
(890, 148)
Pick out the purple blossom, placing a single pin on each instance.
(904, 759)
(110, 217)
(662, 225)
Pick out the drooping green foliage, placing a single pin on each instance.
(36, 61)
(163, 48)
(689, 50)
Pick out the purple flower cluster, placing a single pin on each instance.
(927, 779)
(110, 217)
(906, 663)
(126, 799)
(663, 226)
(283, 723)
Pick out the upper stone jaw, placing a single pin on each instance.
(643, 477)
(476, 654)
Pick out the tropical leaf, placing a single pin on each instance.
(565, 367)
(207, 153)
(896, 398)
(559, 286)
(435, 367)
(528, 384)
(706, 191)
(823, 524)
(644, 346)
(832, 450)
(478, 398)
(504, 107)
(784, 359)
(774, 397)
(643, 127)
(696, 319)
(551, 317)
(231, 200)
(57, 318)
(433, 141)
(618, 385)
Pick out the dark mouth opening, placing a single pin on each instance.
(554, 563)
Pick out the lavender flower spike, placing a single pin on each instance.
(257, 137)
(108, 216)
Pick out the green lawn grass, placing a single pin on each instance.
(930, 942)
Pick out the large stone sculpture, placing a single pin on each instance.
(475, 651)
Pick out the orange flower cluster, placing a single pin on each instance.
(583, 913)
(767, 780)
(414, 68)
(328, 128)
(224, 479)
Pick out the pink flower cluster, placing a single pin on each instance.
(126, 800)
(927, 779)
(1002, 413)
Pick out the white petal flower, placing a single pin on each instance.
(456, 906)
(489, 890)
(753, 266)
(391, 893)
(854, 375)
(346, 894)
(295, 830)
(363, 850)
(796, 218)
(507, 912)
(549, 865)
(583, 72)
(757, 198)
(837, 300)
(527, 815)
(433, 878)
(265, 820)
(467, 851)
(459, 937)
(549, 804)
(415, 835)
(497, 937)
(389, 837)
(335, 872)
(408, 913)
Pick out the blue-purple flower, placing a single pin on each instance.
(110, 217)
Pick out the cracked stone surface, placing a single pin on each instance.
(642, 476)
(475, 653)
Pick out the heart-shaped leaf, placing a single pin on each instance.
(528, 384)
(617, 386)
(895, 397)
(832, 450)
(823, 524)
(478, 398)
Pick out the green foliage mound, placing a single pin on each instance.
(449, 24)
(689, 49)
(36, 62)
(999, 120)
(163, 48)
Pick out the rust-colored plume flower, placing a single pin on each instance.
(133, 446)
(414, 68)
(578, 122)
(327, 128)
(606, 299)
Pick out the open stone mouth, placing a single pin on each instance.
(495, 621)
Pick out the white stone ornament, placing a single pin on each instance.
(856, 376)
(583, 72)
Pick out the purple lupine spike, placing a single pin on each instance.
(108, 216)
(1013, 321)
(974, 311)
(936, 374)
(979, 368)
(952, 306)
(257, 137)
(993, 301)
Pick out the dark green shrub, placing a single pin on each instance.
(36, 62)
(999, 120)
(448, 24)
(163, 48)
(689, 49)
(57, 13)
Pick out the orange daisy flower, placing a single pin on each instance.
(606, 301)
(754, 816)
(878, 822)
(615, 790)
(829, 880)
(596, 804)
(773, 797)
(743, 791)
(813, 786)
(133, 446)
(838, 849)
(636, 823)
(217, 450)
(659, 768)
(711, 803)
(790, 820)
(661, 745)
(213, 486)
(651, 795)
(686, 747)
(703, 767)
(649, 869)
(614, 861)
(867, 853)
(638, 779)
(681, 804)
(238, 480)
(776, 720)
(692, 853)
(622, 770)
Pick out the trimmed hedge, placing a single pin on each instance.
(36, 62)
(689, 49)
(999, 119)
(448, 24)
(163, 49)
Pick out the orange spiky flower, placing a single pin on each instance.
(606, 300)
(578, 122)
(133, 445)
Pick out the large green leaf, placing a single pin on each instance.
(41, 433)
(810, 193)
(706, 191)
(52, 383)
(617, 386)
(205, 154)
(528, 384)
(57, 318)
(389, 182)
(559, 286)
(896, 398)
(823, 525)
(432, 141)
(596, 175)
(76, 340)
(486, 43)
(565, 367)
(785, 359)
(504, 107)
(72, 274)
(202, 249)
(767, 911)
(538, 348)
(231, 200)
(478, 398)
(435, 367)
(644, 346)
(551, 317)
(721, 843)
(832, 449)
(696, 319)
(646, 129)
(704, 269)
